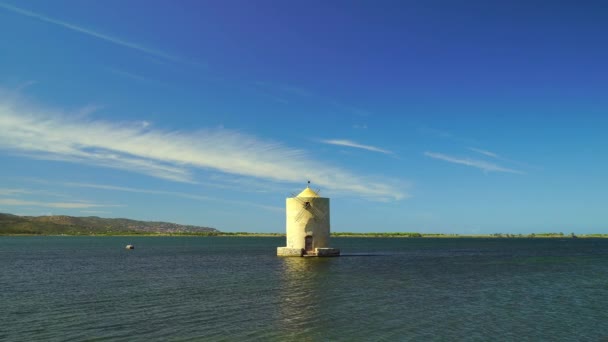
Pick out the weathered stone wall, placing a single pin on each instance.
(307, 215)
(290, 252)
(311, 222)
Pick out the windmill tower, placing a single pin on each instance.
(307, 226)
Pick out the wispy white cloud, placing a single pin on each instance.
(446, 135)
(80, 29)
(484, 152)
(58, 205)
(30, 192)
(168, 193)
(173, 155)
(353, 144)
(502, 159)
(108, 158)
(480, 164)
(95, 212)
(26, 84)
(87, 111)
(10, 192)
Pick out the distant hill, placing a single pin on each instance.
(91, 225)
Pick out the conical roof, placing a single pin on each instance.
(308, 192)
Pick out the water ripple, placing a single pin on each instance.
(227, 289)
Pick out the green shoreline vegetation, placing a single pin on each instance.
(13, 225)
(398, 235)
(485, 236)
(343, 235)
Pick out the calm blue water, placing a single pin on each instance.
(85, 288)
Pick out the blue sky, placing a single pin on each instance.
(429, 116)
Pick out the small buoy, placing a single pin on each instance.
(130, 247)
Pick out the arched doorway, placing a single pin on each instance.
(308, 243)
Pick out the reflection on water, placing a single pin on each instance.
(237, 289)
(301, 295)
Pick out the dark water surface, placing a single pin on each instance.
(229, 289)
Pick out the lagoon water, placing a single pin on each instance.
(235, 288)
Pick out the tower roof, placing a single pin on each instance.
(308, 192)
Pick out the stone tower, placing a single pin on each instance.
(307, 225)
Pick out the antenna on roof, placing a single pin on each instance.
(315, 190)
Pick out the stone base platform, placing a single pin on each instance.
(299, 252)
(327, 252)
(290, 252)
